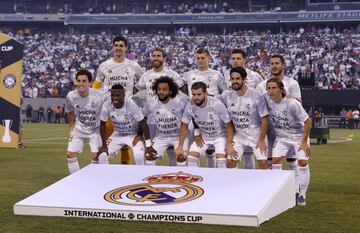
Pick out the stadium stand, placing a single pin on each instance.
(52, 58)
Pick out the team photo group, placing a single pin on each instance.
(202, 113)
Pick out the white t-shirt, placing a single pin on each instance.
(125, 73)
(212, 78)
(87, 110)
(211, 119)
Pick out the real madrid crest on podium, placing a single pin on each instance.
(11, 61)
(156, 190)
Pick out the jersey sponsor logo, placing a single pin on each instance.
(163, 189)
(9, 81)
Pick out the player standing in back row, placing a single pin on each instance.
(118, 70)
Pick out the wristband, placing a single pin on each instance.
(197, 132)
(148, 143)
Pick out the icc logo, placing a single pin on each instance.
(165, 189)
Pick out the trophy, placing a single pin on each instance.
(7, 124)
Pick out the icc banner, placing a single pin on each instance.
(11, 55)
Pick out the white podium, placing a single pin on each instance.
(171, 194)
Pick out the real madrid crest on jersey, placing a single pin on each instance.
(163, 189)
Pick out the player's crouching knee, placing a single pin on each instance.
(302, 163)
(70, 154)
(231, 163)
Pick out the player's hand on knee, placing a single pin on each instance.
(305, 147)
(150, 153)
(137, 138)
(181, 158)
(179, 151)
(233, 154)
(199, 141)
(262, 146)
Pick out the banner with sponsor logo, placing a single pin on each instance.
(11, 61)
(166, 194)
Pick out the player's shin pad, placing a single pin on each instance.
(193, 161)
(221, 162)
(150, 162)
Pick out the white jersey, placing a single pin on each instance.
(287, 119)
(125, 73)
(125, 120)
(291, 86)
(167, 116)
(211, 119)
(87, 110)
(252, 78)
(246, 112)
(213, 79)
(148, 78)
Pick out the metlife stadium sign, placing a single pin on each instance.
(221, 18)
(205, 18)
(166, 194)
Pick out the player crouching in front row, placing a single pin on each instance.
(211, 116)
(127, 119)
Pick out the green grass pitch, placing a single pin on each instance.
(333, 200)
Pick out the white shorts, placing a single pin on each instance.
(282, 149)
(115, 143)
(161, 144)
(242, 149)
(219, 144)
(77, 140)
(271, 144)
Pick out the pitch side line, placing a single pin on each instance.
(342, 139)
(44, 139)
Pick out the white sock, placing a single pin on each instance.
(138, 154)
(276, 166)
(249, 161)
(294, 167)
(150, 162)
(304, 178)
(210, 160)
(181, 164)
(171, 156)
(193, 161)
(103, 158)
(221, 163)
(73, 165)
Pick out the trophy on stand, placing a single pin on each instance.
(7, 124)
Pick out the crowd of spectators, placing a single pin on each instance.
(52, 59)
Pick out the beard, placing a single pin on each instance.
(236, 86)
(163, 97)
(157, 64)
(199, 102)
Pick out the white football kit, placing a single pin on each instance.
(167, 119)
(126, 126)
(287, 119)
(211, 120)
(125, 73)
(246, 112)
(87, 119)
(212, 78)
